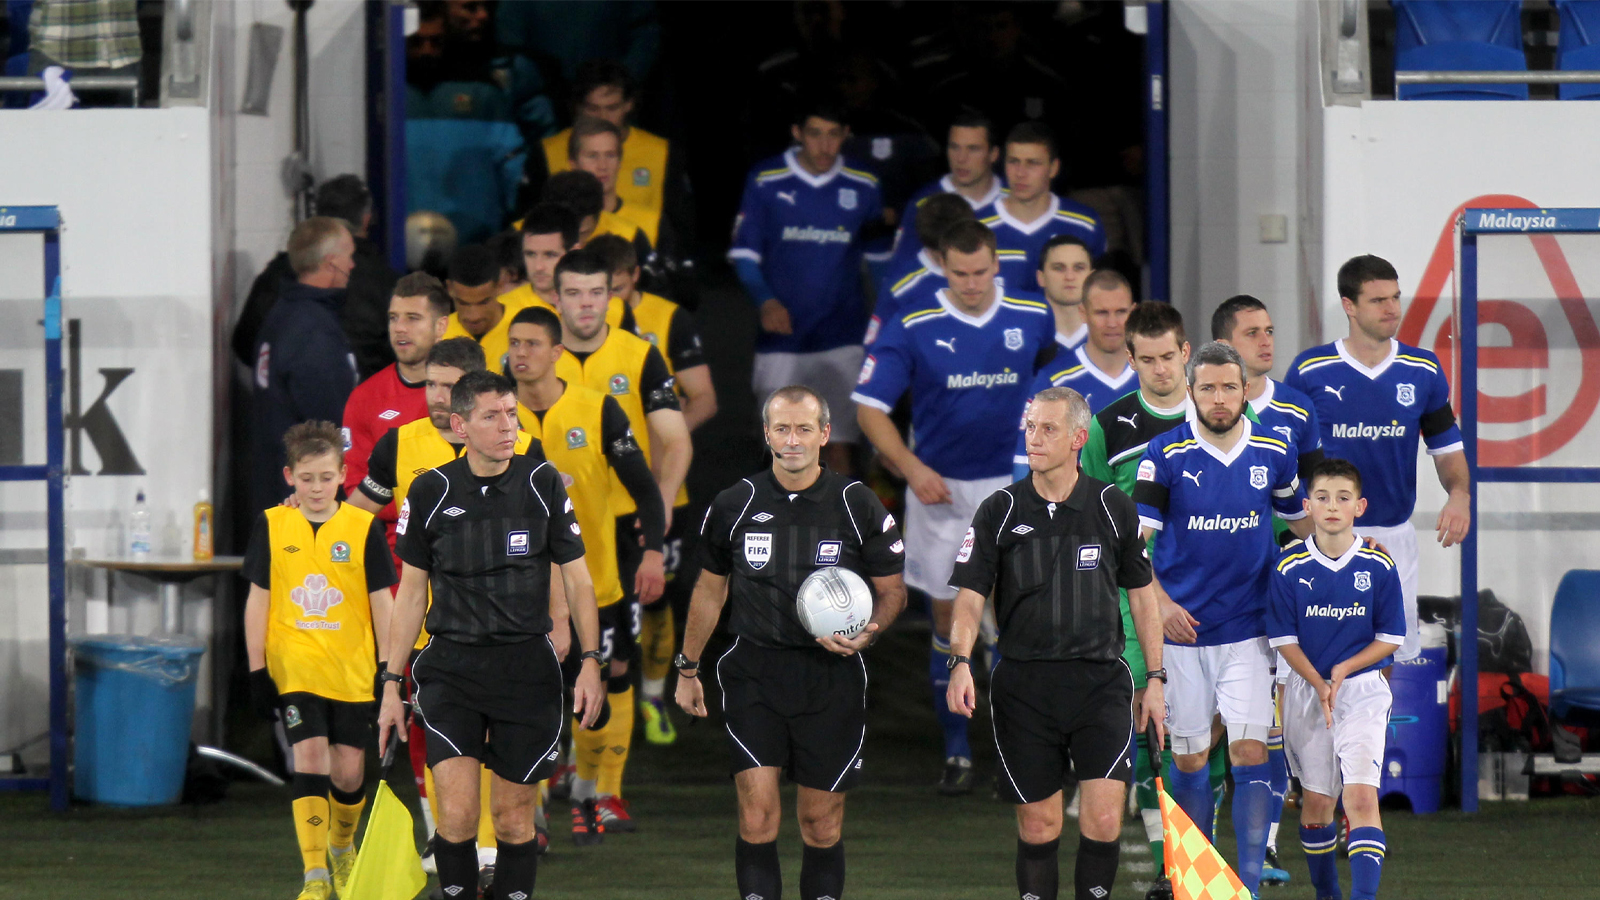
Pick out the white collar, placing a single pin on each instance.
(791, 159)
(1089, 366)
(929, 263)
(1028, 227)
(1375, 371)
(975, 321)
(995, 190)
(1329, 562)
(1267, 393)
(1076, 338)
(1210, 448)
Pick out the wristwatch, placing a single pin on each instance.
(681, 662)
(386, 675)
(1153, 674)
(955, 660)
(598, 657)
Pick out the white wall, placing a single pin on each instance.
(1236, 87)
(336, 35)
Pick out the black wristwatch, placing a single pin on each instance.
(386, 675)
(681, 662)
(955, 660)
(598, 657)
(1153, 674)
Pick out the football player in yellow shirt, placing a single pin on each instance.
(319, 577)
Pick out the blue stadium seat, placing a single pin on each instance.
(1459, 35)
(1575, 643)
(1579, 49)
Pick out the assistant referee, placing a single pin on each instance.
(483, 532)
(791, 701)
(1054, 548)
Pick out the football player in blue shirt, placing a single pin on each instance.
(1336, 614)
(1064, 262)
(1208, 489)
(797, 248)
(1099, 369)
(967, 358)
(971, 150)
(1374, 398)
(1029, 215)
(919, 274)
(1243, 323)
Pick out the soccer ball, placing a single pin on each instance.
(834, 602)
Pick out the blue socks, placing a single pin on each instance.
(1366, 862)
(1192, 791)
(953, 724)
(1280, 786)
(1252, 808)
(1319, 842)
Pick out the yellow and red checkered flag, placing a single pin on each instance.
(1194, 866)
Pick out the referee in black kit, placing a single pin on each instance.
(791, 701)
(483, 532)
(1055, 547)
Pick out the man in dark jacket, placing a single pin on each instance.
(365, 318)
(304, 368)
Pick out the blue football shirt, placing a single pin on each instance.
(913, 284)
(1212, 512)
(1063, 217)
(1334, 608)
(803, 230)
(1285, 413)
(968, 377)
(1373, 417)
(906, 244)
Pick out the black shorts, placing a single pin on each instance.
(501, 704)
(802, 710)
(1045, 711)
(619, 630)
(308, 716)
(675, 552)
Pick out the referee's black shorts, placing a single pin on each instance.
(1047, 710)
(499, 703)
(801, 710)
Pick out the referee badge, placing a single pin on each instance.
(517, 543)
(576, 438)
(1089, 556)
(341, 551)
(757, 548)
(1258, 477)
(828, 553)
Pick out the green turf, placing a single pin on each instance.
(903, 840)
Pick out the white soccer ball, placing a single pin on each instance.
(834, 602)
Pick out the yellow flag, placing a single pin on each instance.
(388, 867)
(1196, 868)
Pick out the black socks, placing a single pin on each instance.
(755, 868)
(822, 872)
(1038, 874)
(515, 867)
(458, 867)
(1097, 868)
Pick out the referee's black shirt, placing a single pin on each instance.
(487, 544)
(1055, 568)
(766, 539)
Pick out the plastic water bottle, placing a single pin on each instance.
(171, 537)
(139, 529)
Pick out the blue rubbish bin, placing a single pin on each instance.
(134, 708)
(1419, 730)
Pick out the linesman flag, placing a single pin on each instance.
(388, 867)
(1194, 866)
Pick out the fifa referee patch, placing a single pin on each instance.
(517, 543)
(1089, 556)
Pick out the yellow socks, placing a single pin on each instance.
(657, 638)
(346, 808)
(310, 803)
(617, 738)
(486, 839)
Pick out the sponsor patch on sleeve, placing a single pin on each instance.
(1147, 470)
(405, 517)
(966, 546)
(867, 366)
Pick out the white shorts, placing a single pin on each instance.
(1401, 544)
(1232, 680)
(934, 533)
(831, 373)
(1351, 752)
